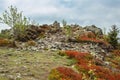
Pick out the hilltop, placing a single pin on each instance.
(45, 48)
(51, 52)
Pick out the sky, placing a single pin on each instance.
(102, 13)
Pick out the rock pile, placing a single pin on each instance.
(55, 38)
(58, 42)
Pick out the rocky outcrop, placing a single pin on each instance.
(34, 32)
(55, 38)
(58, 42)
(31, 33)
(94, 29)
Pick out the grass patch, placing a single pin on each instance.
(27, 65)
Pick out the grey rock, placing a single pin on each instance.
(94, 29)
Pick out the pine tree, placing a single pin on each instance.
(113, 36)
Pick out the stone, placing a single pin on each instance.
(94, 29)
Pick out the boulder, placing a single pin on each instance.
(94, 29)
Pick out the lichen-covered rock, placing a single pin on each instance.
(94, 29)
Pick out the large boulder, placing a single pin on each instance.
(94, 29)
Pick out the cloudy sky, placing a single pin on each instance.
(102, 13)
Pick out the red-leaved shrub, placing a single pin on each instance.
(88, 38)
(69, 74)
(88, 68)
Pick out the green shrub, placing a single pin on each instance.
(15, 20)
(5, 34)
(54, 75)
(72, 62)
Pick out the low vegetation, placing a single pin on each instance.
(88, 68)
(28, 65)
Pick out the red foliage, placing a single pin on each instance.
(117, 76)
(71, 54)
(68, 73)
(82, 62)
(103, 73)
(81, 57)
(84, 65)
(84, 68)
(75, 54)
(100, 72)
(88, 38)
(91, 40)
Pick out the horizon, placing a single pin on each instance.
(102, 13)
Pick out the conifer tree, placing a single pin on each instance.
(113, 36)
